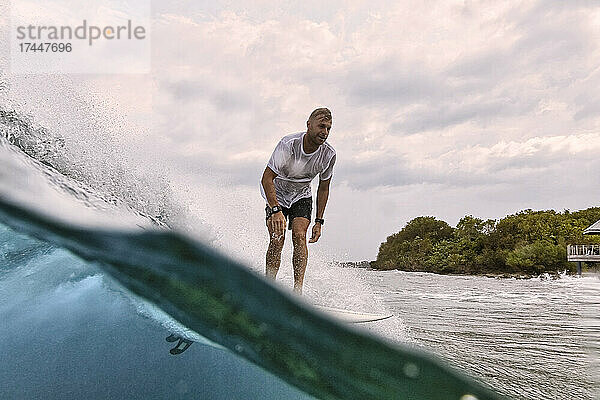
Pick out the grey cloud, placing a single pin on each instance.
(395, 171)
(544, 165)
(479, 69)
(445, 101)
(224, 99)
(390, 82)
(484, 86)
(552, 32)
(589, 109)
(449, 113)
(210, 167)
(588, 102)
(545, 10)
(548, 45)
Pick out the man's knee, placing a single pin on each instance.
(276, 243)
(299, 235)
(299, 228)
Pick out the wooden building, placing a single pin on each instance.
(580, 253)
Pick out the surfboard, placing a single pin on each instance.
(352, 317)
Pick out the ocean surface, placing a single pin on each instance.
(529, 338)
(105, 292)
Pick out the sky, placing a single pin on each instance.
(442, 108)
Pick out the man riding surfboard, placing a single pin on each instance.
(285, 186)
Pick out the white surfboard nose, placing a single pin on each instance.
(351, 316)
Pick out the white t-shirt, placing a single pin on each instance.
(295, 169)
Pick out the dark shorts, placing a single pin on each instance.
(301, 208)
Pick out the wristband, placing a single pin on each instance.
(319, 220)
(275, 209)
(270, 211)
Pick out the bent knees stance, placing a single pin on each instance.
(299, 228)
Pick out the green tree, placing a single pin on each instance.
(409, 248)
(528, 242)
(538, 257)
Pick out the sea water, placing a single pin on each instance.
(531, 338)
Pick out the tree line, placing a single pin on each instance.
(526, 243)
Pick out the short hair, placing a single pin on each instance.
(321, 111)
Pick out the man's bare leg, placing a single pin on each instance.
(300, 257)
(274, 253)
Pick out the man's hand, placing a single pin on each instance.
(316, 233)
(277, 224)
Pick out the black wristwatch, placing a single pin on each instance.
(275, 209)
(320, 220)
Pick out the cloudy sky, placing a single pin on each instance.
(442, 108)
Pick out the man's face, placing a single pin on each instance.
(318, 129)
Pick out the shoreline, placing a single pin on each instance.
(500, 275)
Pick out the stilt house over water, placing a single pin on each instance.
(580, 253)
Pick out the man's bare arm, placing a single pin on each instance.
(322, 196)
(277, 220)
(267, 183)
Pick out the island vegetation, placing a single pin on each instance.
(523, 244)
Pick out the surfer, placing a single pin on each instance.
(285, 186)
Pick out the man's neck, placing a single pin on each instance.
(307, 146)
